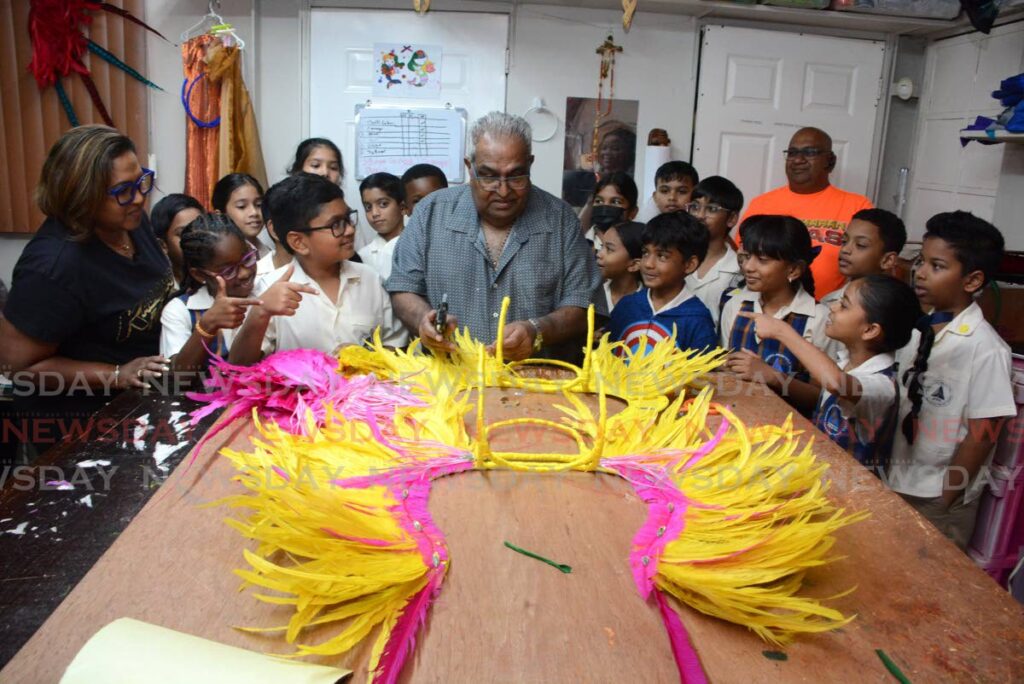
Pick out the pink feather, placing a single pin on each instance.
(361, 540)
(402, 640)
(687, 660)
(290, 384)
(666, 519)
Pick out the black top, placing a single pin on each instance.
(96, 304)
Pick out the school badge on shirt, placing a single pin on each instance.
(937, 393)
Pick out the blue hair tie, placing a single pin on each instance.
(815, 251)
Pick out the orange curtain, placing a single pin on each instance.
(240, 150)
(201, 162)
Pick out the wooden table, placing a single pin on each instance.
(504, 617)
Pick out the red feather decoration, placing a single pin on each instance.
(94, 95)
(58, 43)
(131, 17)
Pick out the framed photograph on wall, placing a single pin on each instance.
(615, 149)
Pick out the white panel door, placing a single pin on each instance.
(960, 75)
(757, 87)
(342, 70)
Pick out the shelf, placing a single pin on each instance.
(794, 17)
(996, 136)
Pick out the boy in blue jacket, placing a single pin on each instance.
(674, 246)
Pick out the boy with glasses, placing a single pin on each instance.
(716, 203)
(321, 300)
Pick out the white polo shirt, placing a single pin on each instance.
(867, 414)
(968, 377)
(835, 349)
(724, 275)
(803, 303)
(320, 323)
(266, 243)
(266, 264)
(607, 287)
(176, 322)
(379, 254)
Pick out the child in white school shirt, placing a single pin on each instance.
(381, 194)
(321, 300)
(279, 256)
(716, 203)
(219, 267)
(956, 372)
(858, 405)
(871, 246)
(776, 257)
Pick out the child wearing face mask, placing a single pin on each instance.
(613, 203)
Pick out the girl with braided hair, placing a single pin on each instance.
(219, 270)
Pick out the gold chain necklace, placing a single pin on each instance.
(501, 249)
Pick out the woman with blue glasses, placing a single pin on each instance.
(83, 315)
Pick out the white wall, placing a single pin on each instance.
(553, 57)
(898, 150)
(961, 74)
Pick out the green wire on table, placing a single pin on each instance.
(891, 667)
(564, 568)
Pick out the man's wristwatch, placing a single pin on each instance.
(538, 338)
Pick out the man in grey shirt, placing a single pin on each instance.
(494, 237)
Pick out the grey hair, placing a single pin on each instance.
(500, 125)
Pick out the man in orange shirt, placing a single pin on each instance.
(824, 208)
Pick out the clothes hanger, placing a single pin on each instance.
(211, 16)
(218, 27)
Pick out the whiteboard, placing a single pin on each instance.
(392, 139)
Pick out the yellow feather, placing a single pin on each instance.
(757, 518)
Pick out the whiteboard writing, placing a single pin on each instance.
(392, 140)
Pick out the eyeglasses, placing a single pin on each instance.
(124, 193)
(492, 183)
(805, 152)
(696, 208)
(231, 272)
(337, 228)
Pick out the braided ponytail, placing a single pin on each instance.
(915, 388)
(198, 242)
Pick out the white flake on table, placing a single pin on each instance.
(161, 452)
(140, 432)
(93, 463)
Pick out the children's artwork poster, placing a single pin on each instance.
(616, 143)
(407, 70)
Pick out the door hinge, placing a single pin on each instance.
(508, 60)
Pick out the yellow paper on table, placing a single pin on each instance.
(132, 652)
